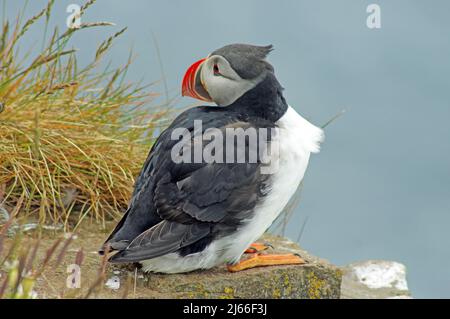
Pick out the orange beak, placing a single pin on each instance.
(192, 85)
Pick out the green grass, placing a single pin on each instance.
(72, 139)
(19, 267)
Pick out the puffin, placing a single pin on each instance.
(191, 212)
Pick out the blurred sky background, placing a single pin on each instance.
(380, 188)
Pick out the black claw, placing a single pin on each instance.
(300, 256)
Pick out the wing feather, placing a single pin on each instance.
(188, 202)
(163, 238)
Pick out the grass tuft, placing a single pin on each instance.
(72, 139)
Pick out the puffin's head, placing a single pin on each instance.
(227, 73)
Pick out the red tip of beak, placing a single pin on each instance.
(189, 81)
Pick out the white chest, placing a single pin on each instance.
(297, 139)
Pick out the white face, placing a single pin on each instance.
(222, 83)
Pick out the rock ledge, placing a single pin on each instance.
(315, 280)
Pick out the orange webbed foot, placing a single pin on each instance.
(257, 247)
(257, 260)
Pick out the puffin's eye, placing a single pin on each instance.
(216, 69)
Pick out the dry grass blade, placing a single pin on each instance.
(280, 224)
(104, 46)
(3, 39)
(63, 250)
(32, 257)
(79, 257)
(85, 6)
(85, 26)
(100, 277)
(29, 23)
(128, 284)
(20, 270)
(3, 287)
(48, 11)
(334, 118)
(48, 255)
